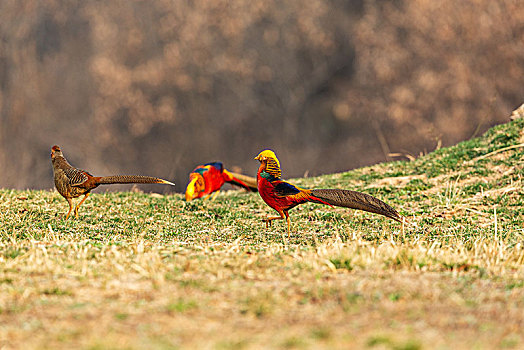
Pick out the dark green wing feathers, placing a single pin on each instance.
(283, 188)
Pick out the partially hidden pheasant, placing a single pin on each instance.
(207, 179)
(283, 196)
(72, 182)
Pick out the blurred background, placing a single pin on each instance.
(157, 87)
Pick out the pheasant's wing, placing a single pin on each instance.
(76, 176)
(218, 165)
(285, 189)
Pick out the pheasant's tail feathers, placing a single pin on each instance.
(131, 179)
(167, 182)
(248, 182)
(356, 200)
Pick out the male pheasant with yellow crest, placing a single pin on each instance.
(283, 196)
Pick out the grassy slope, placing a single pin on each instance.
(139, 270)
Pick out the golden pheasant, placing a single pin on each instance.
(72, 182)
(210, 177)
(283, 196)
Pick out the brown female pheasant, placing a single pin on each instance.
(72, 182)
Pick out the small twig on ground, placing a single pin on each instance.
(499, 151)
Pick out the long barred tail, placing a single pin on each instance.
(130, 179)
(248, 182)
(356, 200)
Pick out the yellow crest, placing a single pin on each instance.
(272, 163)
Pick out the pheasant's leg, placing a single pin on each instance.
(269, 219)
(215, 195)
(70, 201)
(79, 204)
(288, 223)
(212, 195)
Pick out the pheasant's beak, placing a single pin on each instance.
(259, 158)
